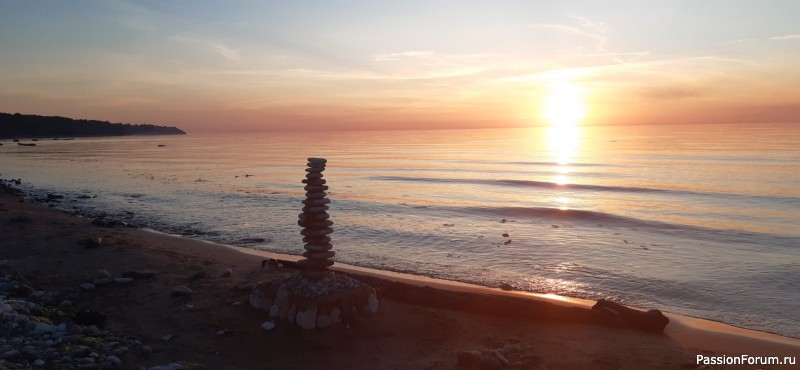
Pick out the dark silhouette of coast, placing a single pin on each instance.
(31, 126)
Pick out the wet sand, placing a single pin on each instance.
(416, 328)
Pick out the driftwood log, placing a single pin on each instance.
(652, 321)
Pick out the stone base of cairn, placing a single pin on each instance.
(311, 303)
(315, 297)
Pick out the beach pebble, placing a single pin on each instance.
(102, 281)
(324, 321)
(373, 302)
(180, 290)
(103, 273)
(65, 303)
(123, 281)
(307, 319)
(172, 366)
(225, 273)
(268, 325)
(5, 308)
(38, 363)
(114, 360)
(274, 311)
(87, 287)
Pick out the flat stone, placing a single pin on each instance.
(317, 239)
(274, 311)
(315, 182)
(313, 175)
(102, 281)
(315, 188)
(123, 281)
(317, 225)
(318, 247)
(318, 255)
(316, 202)
(316, 194)
(225, 273)
(180, 290)
(315, 264)
(316, 232)
(314, 169)
(103, 273)
(317, 160)
(314, 214)
(87, 287)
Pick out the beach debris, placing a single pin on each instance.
(180, 290)
(315, 297)
(652, 320)
(226, 273)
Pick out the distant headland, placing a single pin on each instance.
(29, 125)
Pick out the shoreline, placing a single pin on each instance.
(685, 329)
(46, 252)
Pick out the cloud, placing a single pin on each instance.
(401, 55)
(594, 32)
(227, 52)
(670, 92)
(786, 37)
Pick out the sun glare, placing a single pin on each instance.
(563, 110)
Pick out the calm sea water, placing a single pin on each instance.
(699, 220)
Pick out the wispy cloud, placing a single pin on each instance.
(227, 52)
(587, 29)
(401, 55)
(786, 37)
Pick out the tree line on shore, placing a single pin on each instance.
(30, 126)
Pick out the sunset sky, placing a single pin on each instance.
(211, 66)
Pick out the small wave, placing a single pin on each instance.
(524, 183)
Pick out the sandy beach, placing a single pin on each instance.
(421, 324)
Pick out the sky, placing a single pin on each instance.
(283, 65)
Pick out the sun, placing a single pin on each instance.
(564, 105)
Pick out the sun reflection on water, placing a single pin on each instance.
(563, 111)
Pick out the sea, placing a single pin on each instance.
(700, 220)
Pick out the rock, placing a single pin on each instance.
(336, 315)
(503, 360)
(167, 338)
(324, 321)
(114, 360)
(307, 319)
(38, 363)
(172, 366)
(374, 304)
(102, 281)
(180, 291)
(123, 281)
(6, 308)
(292, 314)
(506, 286)
(138, 274)
(489, 363)
(268, 325)
(45, 328)
(274, 311)
(469, 359)
(103, 273)
(198, 275)
(90, 317)
(65, 303)
(225, 273)
(87, 287)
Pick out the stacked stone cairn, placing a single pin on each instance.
(315, 297)
(315, 223)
